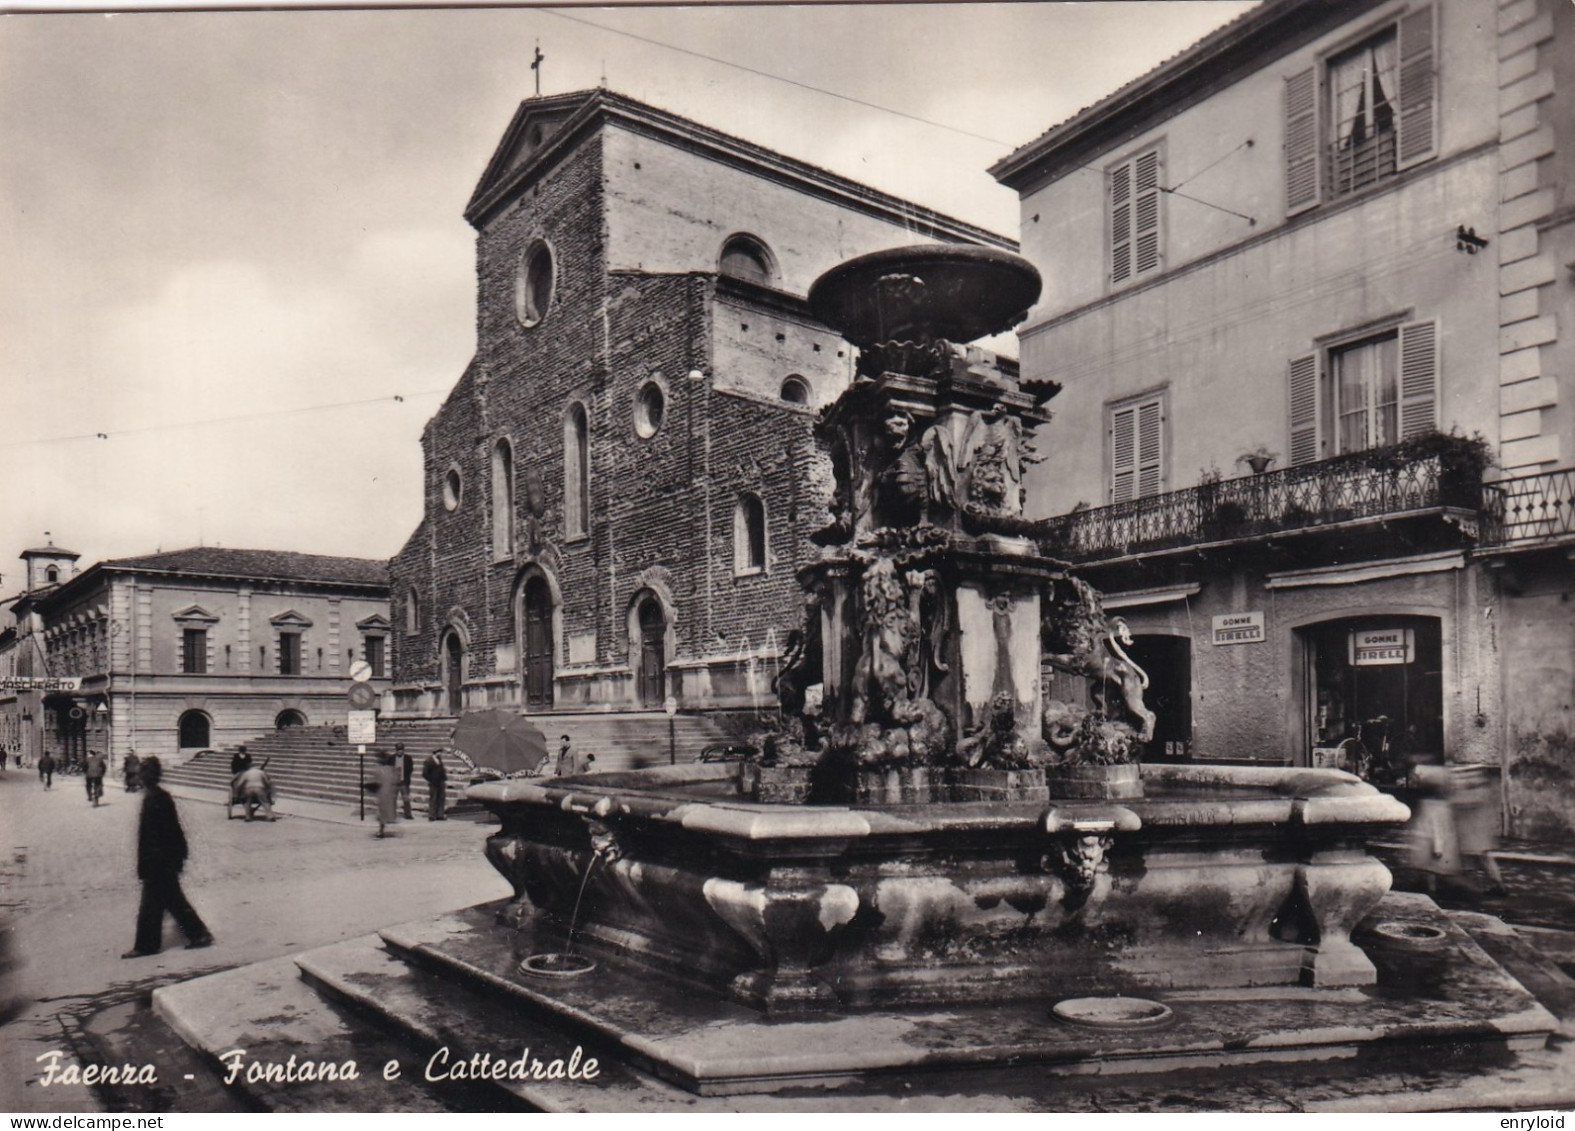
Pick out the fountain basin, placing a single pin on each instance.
(1219, 877)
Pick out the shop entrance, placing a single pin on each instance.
(1375, 694)
(1167, 661)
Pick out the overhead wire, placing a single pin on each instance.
(802, 85)
(101, 434)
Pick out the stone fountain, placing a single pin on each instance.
(932, 868)
(926, 830)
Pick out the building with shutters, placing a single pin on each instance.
(1301, 281)
(174, 652)
(622, 484)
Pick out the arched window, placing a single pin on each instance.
(534, 284)
(51, 575)
(502, 500)
(194, 731)
(412, 612)
(289, 718)
(576, 472)
(749, 535)
(745, 257)
(795, 390)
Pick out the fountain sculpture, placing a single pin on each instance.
(927, 835)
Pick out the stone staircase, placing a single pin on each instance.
(630, 739)
(315, 763)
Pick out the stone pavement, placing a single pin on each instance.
(317, 875)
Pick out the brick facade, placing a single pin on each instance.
(612, 189)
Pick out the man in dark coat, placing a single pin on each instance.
(407, 768)
(161, 854)
(437, 786)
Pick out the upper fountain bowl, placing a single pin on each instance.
(924, 293)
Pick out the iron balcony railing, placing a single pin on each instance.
(1530, 508)
(1444, 472)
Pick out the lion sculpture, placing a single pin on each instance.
(1084, 641)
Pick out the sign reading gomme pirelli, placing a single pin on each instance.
(1239, 628)
(1372, 647)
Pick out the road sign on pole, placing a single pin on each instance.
(361, 728)
(363, 696)
(360, 671)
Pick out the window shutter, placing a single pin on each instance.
(1149, 463)
(1418, 378)
(1145, 212)
(1123, 455)
(1304, 408)
(1121, 223)
(1418, 122)
(1301, 141)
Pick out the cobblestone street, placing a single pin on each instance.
(68, 885)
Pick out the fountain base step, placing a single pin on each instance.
(448, 991)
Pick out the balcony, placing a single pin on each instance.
(1530, 510)
(1433, 476)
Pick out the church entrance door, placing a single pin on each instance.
(538, 644)
(653, 653)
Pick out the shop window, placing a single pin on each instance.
(1377, 700)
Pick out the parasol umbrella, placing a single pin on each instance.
(500, 742)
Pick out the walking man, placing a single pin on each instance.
(46, 770)
(93, 771)
(566, 764)
(407, 766)
(436, 775)
(161, 854)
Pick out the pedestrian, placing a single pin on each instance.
(436, 775)
(1434, 841)
(131, 768)
(566, 764)
(387, 778)
(240, 761)
(46, 770)
(253, 790)
(161, 854)
(1474, 799)
(93, 771)
(406, 766)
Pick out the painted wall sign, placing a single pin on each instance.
(1371, 647)
(40, 683)
(1239, 628)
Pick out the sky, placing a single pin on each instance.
(235, 278)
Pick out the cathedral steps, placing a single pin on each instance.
(315, 763)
